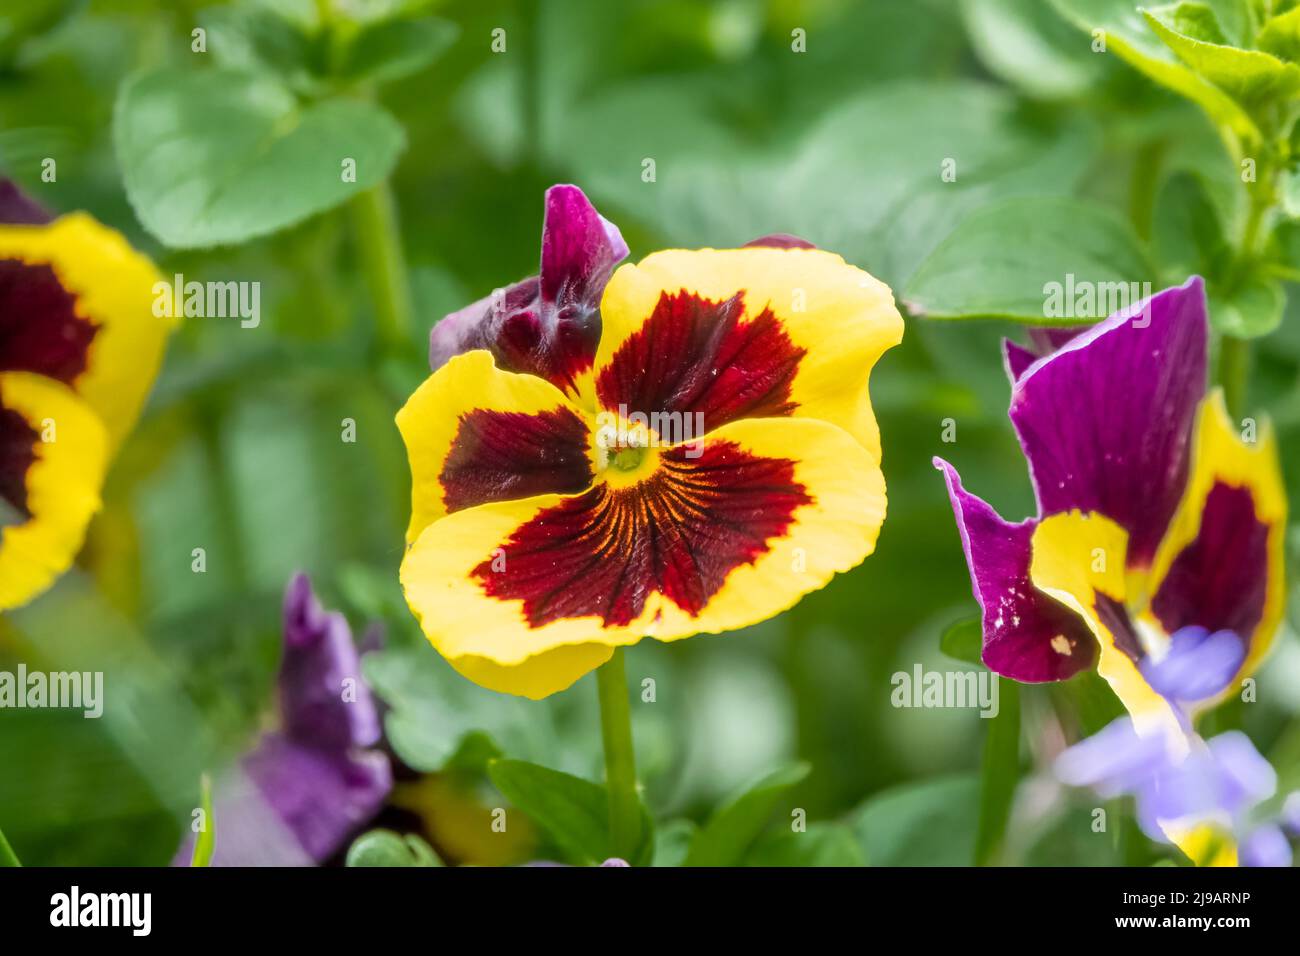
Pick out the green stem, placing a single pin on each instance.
(999, 773)
(379, 246)
(7, 855)
(620, 759)
(1234, 372)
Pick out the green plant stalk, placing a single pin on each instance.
(620, 759)
(1233, 372)
(999, 772)
(7, 855)
(379, 246)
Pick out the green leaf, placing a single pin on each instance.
(252, 38)
(1127, 35)
(964, 640)
(392, 49)
(575, 812)
(999, 772)
(736, 825)
(1025, 43)
(1281, 36)
(1250, 76)
(386, 848)
(673, 842)
(1187, 235)
(205, 842)
(822, 844)
(1021, 259)
(222, 156)
(931, 823)
(1252, 309)
(7, 855)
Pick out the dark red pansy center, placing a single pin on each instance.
(40, 330)
(499, 456)
(679, 532)
(18, 441)
(1220, 580)
(696, 355)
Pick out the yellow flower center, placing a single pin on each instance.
(624, 451)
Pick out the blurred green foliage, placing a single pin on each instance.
(241, 450)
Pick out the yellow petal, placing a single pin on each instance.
(1079, 559)
(841, 317)
(432, 418)
(114, 287)
(62, 484)
(1220, 457)
(447, 570)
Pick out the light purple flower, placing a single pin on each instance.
(1220, 781)
(549, 324)
(1265, 846)
(305, 788)
(1197, 666)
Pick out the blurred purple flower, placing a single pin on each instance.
(549, 324)
(306, 787)
(1197, 666)
(1219, 781)
(1266, 846)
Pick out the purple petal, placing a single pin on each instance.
(1114, 760)
(547, 325)
(1247, 778)
(781, 240)
(1198, 665)
(1016, 359)
(1265, 846)
(1028, 636)
(16, 209)
(1191, 791)
(1106, 420)
(1291, 813)
(323, 797)
(324, 702)
(615, 861)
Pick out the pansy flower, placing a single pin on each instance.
(79, 349)
(319, 776)
(687, 446)
(1156, 552)
(1159, 521)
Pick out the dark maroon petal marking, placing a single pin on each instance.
(696, 355)
(1114, 616)
(498, 456)
(546, 325)
(680, 532)
(780, 240)
(1219, 580)
(1023, 627)
(16, 209)
(40, 330)
(1106, 420)
(18, 442)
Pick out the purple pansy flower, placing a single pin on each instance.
(549, 324)
(1198, 794)
(310, 784)
(1156, 550)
